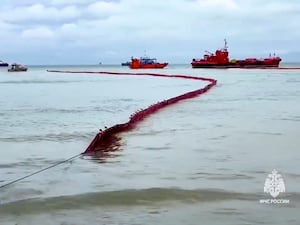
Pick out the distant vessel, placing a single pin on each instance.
(15, 67)
(221, 60)
(3, 63)
(125, 64)
(146, 63)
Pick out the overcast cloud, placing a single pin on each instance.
(89, 31)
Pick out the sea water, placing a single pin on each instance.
(202, 161)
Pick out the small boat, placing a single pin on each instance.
(3, 64)
(221, 60)
(146, 63)
(15, 67)
(125, 64)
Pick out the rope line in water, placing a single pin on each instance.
(107, 138)
(39, 171)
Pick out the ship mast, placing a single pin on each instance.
(225, 44)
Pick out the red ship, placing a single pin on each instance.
(221, 60)
(146, 63)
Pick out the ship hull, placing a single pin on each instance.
(199, 66)
(241, 65)
(149, 66)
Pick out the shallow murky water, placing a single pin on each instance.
(204, 160)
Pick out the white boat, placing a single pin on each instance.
(15, 67)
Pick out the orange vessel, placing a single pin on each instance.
(221, 60)
(146, 63)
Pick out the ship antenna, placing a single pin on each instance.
(225, 41)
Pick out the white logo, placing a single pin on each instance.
(274, 184)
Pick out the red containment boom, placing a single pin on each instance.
(107, 137)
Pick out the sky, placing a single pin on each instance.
(53, 32)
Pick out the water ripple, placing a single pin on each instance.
(122, 198)
(49, 137)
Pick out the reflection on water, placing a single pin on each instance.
(106, 150)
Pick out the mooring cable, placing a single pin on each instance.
(39, 171)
